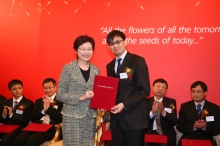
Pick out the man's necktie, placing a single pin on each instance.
(159, 130)
(119, 65)
(199, 109)
(15, 105)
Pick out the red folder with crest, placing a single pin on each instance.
(105, 90)
(195, 142)
(8, 128)
(35, 127)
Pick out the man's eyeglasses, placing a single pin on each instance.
(111, 44)
(84, 49)
(158, 87)
(196, 91)
(46, 88)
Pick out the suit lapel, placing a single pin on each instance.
(165, 102)
(192, 108)
(92, 74)
(10, 103)
(77, 74)
(22, 103)
(112, 68)
(205, 105)
(125, 62)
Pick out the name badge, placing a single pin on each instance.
(123, 75)
(210, 118)
(55, 106)
(19, 112)
(169, 110)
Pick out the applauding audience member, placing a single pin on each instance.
(47, 110)
(199, 118)
(162, 113)
(17, 111)
(2, 101)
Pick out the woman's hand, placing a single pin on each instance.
(87, 95)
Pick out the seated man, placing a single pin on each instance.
(47, 110)
(162, 114)
(17, 111)
(199, 118)
(2, 101)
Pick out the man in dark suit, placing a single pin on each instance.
(2, 101)
(128, 117)
(47, 110)
(17, 111)
(199, 118)
(166, 108)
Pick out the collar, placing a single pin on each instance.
(122, 56)
(202, 103)
(52, 97)
(160, 100)
(18, 100)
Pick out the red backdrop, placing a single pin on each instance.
(178, 39)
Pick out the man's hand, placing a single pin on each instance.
(9, 110)
(117, 108)
(4, 113)
(154, 107)
(161, 108)
(46, 101)
(200, 124)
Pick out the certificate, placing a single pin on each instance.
(153, 138)
(105, 90)
(34, 127)
(193, 142)
(8, 128)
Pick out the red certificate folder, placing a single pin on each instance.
(105, 90)
(153, 138)
(8, 128)
(34, 127)
(195, 142)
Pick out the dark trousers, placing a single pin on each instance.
(108, 143)
(121, 137)
(34, 138)
(7, 139)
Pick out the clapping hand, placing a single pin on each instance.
(46, 102)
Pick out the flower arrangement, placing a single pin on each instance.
(204, 113)
(53, 103)
(21, 107)
(129, 72)
(172, 108)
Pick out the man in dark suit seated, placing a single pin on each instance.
(162, 113)
(47, 110)
(199, 118)
(2, 101)
(17, 111)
